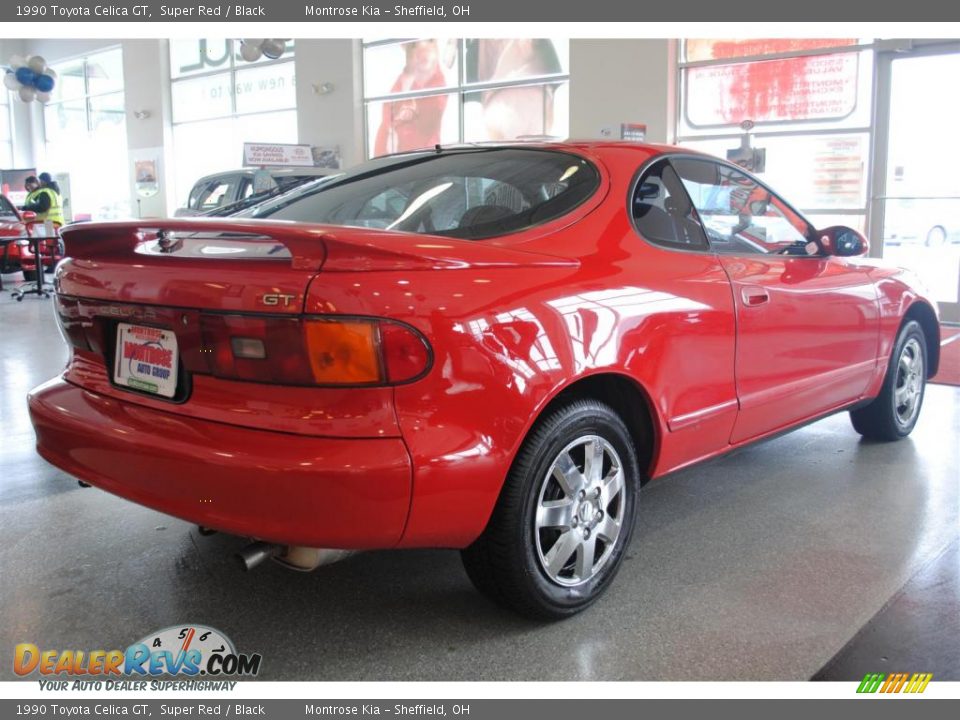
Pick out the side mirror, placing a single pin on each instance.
(843, 241)
(28, 215)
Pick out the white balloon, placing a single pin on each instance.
(52, 73)
(27, 93)
(17, 61)
(252, 41)
(250, 53)
(43, 97)
(37, 64)
(273, 48)
(10, 82)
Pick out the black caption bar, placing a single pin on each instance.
(475, 709)
(324, 11)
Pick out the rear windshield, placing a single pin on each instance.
(473, 194)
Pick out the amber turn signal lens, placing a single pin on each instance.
(343, 353)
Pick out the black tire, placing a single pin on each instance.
(505, 561)
(30, 275)
(887, 417)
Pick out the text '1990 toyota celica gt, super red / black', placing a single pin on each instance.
(488, 348)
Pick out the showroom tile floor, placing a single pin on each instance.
(760, 565)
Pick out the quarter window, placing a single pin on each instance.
(662, 211)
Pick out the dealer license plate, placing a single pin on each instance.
(146, 359)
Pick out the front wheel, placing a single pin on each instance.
(893, 414)
(564, 517)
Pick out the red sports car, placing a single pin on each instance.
(12, 225)
(487, 348)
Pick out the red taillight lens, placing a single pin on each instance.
(228, 340)
(313, 350)
(405, 354)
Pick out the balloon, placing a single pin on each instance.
(27, 93)
(25, 75)
(10, 81)
(273, 48)
(250, 53)
(37, 64)
(52, 73)
(43, 83)
(252, 41)
(17, 61)
(43, 97)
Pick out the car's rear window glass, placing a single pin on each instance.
(472, 193)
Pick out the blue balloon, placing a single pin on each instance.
(44, 83)
(25, 76)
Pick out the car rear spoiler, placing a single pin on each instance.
(305, 246)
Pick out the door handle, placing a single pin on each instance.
(753, 296)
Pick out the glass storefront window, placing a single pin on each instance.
(797, 89)
(201, 98)
(501, 59)
(104, 72)
(196, 56)
(267, 87)
(221, 101)
(493, 89)
(698, 50)
(516, 112)
(413, 123)
(410, 67)
(211, 146)
(85, 133)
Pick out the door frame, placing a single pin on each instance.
(883, 78)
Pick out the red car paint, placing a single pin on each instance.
(717, 350)
(12, 225)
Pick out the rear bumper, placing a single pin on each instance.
(292, 489)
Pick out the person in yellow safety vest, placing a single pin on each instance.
(44, 199)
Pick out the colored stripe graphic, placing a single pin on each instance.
(895, 683)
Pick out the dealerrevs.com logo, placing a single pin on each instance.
(185, 651)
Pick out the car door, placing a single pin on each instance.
(807, 323)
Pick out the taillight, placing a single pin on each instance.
(313, 350)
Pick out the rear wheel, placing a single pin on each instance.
(564, 517)
(894, 412)
(30, 275)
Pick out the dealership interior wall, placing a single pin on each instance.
(599, 72)
(811, 555)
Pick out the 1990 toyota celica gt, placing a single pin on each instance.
(486, 348)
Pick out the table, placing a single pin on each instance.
(40, 289)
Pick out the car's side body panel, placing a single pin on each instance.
(512, 322)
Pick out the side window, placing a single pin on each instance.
(217, 193)
(740, 215)
(662, 212)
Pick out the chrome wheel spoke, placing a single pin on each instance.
(613, 485)
(555, 513)
(568, 475)
(593, 461)
(900, 395)
(609, 529)
(558, 556)
(583, 568)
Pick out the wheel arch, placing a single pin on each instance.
(925, 315)
(628, 398)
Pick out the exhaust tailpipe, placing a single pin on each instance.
(256, 552)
